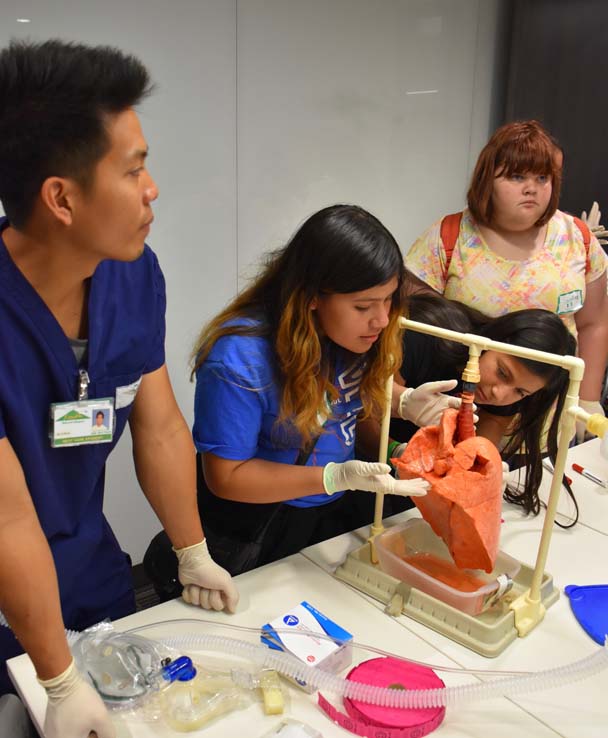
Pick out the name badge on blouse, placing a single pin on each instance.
(81, 422)
(569, 302)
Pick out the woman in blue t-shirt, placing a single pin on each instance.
(285, 374)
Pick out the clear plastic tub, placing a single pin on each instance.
(412, 553)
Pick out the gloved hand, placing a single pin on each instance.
(205, 583)
(371, 477)
(74, 708)
(591, 407)
(593, 220)
(594, 217)
(424, 405)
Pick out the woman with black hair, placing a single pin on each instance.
(517, 399)
(285, 374)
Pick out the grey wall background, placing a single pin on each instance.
(267, 110)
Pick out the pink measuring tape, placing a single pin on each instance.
(374, 721)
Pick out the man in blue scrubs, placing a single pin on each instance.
(82, 327)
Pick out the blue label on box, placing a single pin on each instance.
(308, 621)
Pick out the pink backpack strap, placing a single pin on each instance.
(449, 230)
(586, 234)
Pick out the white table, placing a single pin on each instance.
(270, 590)
(576, 556)
(592, 498)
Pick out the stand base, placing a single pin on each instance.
(488, 633)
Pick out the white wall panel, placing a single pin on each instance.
(267, 110)
(357, 101)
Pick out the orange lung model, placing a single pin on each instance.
(463, 504)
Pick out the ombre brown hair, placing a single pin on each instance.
(515, 148)
(340, 249)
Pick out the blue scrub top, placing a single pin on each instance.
(126, 314)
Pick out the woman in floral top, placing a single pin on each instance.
(514, 248)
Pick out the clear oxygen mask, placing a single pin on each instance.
(142, 678)
(124, 669)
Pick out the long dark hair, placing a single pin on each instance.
(537, 329)
(339, 249)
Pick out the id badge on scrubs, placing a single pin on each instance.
(82, 422)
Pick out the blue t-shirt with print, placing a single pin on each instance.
(237, 403)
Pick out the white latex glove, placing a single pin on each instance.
(370, 477)
(593, 220)
(424, 405)
(594, 217)
(74, 708)
(505, 477)
(206, 584)
(591, 407)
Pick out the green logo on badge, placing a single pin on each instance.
(73, 415)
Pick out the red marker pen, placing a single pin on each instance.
(588, 475)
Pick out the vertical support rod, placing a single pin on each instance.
(568, 423)
(377, 526)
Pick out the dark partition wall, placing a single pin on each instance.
(558, 74)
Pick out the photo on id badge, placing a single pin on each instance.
(100, 421)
